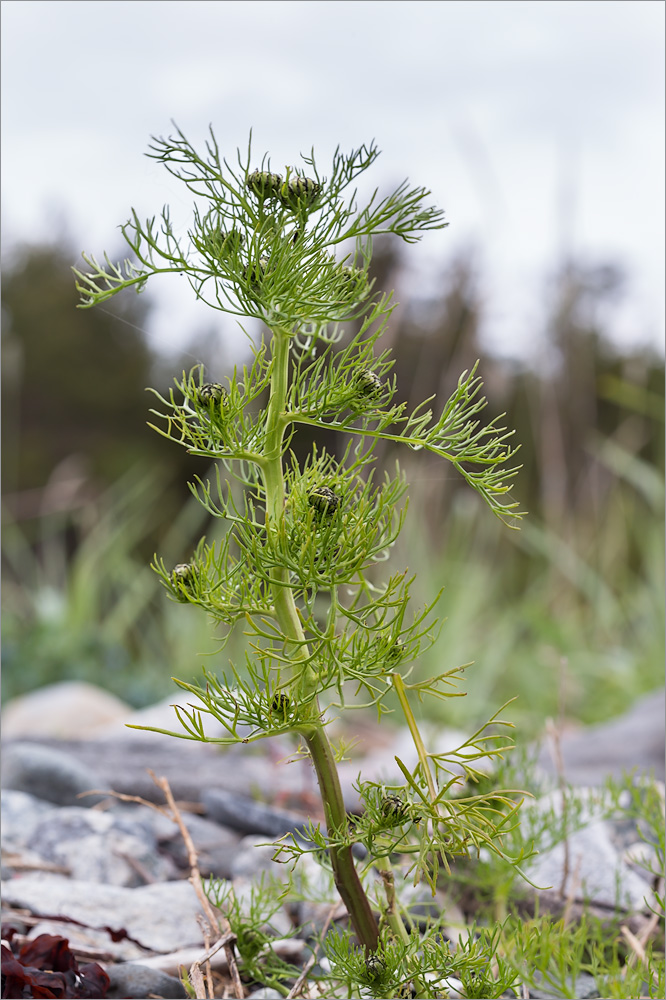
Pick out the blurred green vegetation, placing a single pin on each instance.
(567, 613)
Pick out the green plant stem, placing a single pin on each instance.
(399, 686)
(346, 877)
(383, 865)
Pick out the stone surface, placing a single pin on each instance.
(49, 774)
(633, 740)
(100, 847)
(215, 845)
(160, 917)
(21, 813)
(239, 812)
(66, 709)
(131, 981)
(123, 765)
(591, 866)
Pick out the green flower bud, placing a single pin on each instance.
(280, 703)
(368, 383)
(264, 184)
(394, 808)
(324, 501)
(299, 190)
(212, 392)
(355, 278)
(395, 652)
(182, 577)
(375, 967)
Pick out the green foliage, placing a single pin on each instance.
(250, 920)
(299, 561)
(96, 614)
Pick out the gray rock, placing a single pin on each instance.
(591, 868)
(49, 774)
(254, 855)
(264, 993)
(100, 847)
(123, 764)
(131, 981)
(633, 740)
(21, 813)
(160, 917)
(241, 813)
(216, 845)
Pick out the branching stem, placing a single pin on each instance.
(344, 871)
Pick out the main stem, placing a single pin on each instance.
(346, 877)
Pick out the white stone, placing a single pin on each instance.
(161, 917)
(67, 710)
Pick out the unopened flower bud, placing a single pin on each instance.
(374, 966)
(299, 190)
(280, 703)
(182, 577)
(255, 271)
(355, 278)
(394, 808)
(222, 245)
(264, 184)
(395, 652)
(368, 383)
(324, 501)
(212, 392)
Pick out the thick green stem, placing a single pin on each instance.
(346, 877)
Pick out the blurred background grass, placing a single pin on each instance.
(566, 613)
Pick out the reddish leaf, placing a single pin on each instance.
(48, 951)
(60, 980)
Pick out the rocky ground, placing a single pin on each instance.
(111, 875)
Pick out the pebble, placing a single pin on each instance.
(62, 709)
(48, 774)
(248, 816)
(137, 981)
(101, 847)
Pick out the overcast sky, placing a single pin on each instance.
(538, 126)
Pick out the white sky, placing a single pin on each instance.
(538, 125)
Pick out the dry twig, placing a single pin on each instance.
(298, 985)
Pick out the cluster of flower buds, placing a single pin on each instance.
(295, 191)
(182, 577)
(324, 501)
(368, 383)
